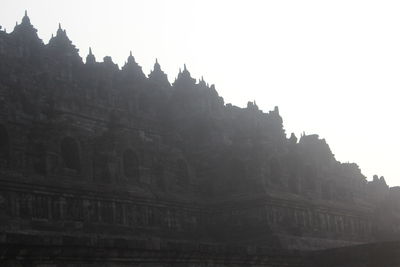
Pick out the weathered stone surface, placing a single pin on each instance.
(91, 151)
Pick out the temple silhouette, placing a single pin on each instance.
(108, 166)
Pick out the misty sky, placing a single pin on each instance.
(332, 67)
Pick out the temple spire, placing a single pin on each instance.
(202, 83)
(131, 59)
(60, 31)
(184, 78)
(157, 66)
(26, 30)
(132, 67)
(158, 76)
(61, 45)
(90, 59)
(25, 19)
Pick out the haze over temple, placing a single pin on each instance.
(95, 156)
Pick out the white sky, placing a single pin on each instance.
(332, 67)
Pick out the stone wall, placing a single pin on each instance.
(268, 222)
(370, 255)
(89, 149)
(61, 251)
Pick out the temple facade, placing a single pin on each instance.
(91, 153)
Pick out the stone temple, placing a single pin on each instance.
(102, 166)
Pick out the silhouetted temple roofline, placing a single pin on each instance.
(184, 78)
(293, 138)
(159, 76)
(61, 31)
(26, 31)
(132, 68)
(157, 65)
(90, 59)
(62, 46)
(202, 83)
(109, 63)
(26, 19)
(131, 59)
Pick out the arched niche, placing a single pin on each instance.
(130, 164)
(70, 154)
